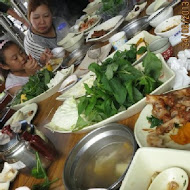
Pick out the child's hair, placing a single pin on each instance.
(4, 44)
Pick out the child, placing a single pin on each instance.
(17, 65)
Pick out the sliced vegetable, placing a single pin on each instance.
(154, 121)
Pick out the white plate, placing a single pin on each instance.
(141, 135)
(26, 110)
(45, 94)
(98, 19)
(112, 24)
(167, 78)
(134, 14)
(92, 7)
(151, 8)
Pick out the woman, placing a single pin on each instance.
(43, 34)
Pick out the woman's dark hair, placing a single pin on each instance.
(2, 57)
(34, 4)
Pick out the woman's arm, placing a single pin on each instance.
(17, 17)
(14, 90)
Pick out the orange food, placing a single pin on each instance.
(183, 135)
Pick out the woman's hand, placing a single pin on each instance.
(31, 66)
(46, 56)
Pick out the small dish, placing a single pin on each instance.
(135, 12)
(67, 83)
(105, 30)
(25, 113)
(148, 161)
(162, 46)
(172, 177)
(58, 52)
(118, 40)
(92, 7)
(85, 24)
(154, 7)
(160, 18)
(169, 27)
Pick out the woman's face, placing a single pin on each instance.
(15, 58)
(41, 19)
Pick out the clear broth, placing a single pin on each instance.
(107, 166)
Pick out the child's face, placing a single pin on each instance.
(15, 58)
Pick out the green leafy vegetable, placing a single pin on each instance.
(36, 85)
(118, 85)
(40, 173)
(154, 121)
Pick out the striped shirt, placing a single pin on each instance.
(36, 44)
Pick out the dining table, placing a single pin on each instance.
(64, 142)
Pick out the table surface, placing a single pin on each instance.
(65, 142)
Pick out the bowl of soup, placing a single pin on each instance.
(100, 159)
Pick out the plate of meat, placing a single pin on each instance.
(105, 30)
(165, 121)
(85, 24)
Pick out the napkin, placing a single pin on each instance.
(180, 66)
(83, 67)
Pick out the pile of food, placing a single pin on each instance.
(99, 33)
(170, 118)
(87, 23)
(36, 85)
(117, 86)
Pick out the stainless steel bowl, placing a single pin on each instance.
(136, 26)
(75, 57)
(88, 148)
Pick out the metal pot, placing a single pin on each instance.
(20, 150)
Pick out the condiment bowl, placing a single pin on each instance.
(160, 18)
(169, 27)
(135, 26)
(100, 159)
(118, 40)
(162, 46)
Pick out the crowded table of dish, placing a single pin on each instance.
(64, 142)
